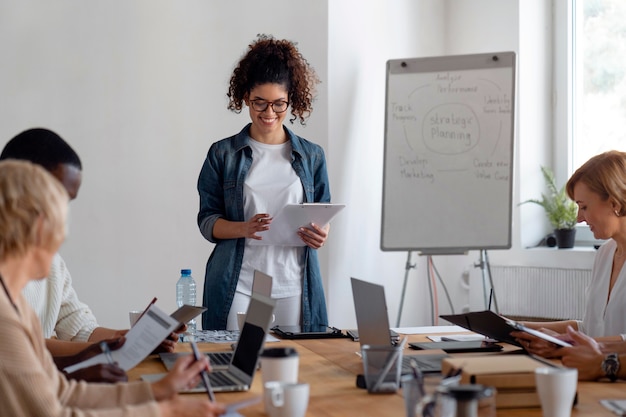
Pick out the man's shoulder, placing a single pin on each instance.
(58, 271)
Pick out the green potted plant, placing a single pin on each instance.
(561, 210)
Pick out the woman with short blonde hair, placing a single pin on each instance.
(33, 211)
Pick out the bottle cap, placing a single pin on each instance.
(185, 271)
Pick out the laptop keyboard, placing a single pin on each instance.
(219, 358)
(221, 379)
(425, 363)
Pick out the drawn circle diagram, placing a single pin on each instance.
(450, 129)
(453, 115)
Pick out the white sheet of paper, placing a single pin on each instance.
(141, 340)
(285, 224)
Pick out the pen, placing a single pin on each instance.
(144, 312)
(104, 347)
(203, 374)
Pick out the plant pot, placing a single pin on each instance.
(565, 238)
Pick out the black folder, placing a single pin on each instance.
(486, 323)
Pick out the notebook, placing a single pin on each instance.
(373, 325)
(239, 373)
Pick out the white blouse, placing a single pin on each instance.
(602, 317)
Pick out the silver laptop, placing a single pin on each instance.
(240, 372)
(261, 284)
(373, 325)
(238, 375)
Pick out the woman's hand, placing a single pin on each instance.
(184, 374)
(169, 343)
(258, 223)
(586, 356)
(538, 346)
(314, 237)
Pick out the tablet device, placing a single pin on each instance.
(458, 347)
(307, 332)
(283, 230)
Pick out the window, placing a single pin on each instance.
(598, 39)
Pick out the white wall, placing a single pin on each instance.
(138, 88)
(357, 57)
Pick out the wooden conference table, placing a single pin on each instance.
(330, 367)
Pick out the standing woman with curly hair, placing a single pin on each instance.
(247, 178)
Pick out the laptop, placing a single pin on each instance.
(239, 373)
(373, 325)
(261, 284)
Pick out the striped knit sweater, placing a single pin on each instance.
(56, 304)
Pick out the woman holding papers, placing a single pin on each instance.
(247, 178)
(599, 189)
(33, 211)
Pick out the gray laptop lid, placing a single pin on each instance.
(262, 284)
(371, 313)
(244, 362)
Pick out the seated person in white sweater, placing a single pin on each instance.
(32, 227)
(68, 325)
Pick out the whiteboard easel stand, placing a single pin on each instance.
(407, 267)
(483, 264)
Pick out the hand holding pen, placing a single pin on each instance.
(204, 374)
(104, 347)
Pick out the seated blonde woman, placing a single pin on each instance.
(33, 209)
(598, 188)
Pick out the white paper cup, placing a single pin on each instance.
(241, 319)
(285, 399)
(556, 388)
(279, 364)
(133, 316)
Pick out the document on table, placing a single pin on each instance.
(148, 333)
(471, 337)
(285, 224)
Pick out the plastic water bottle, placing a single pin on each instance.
(186, 294)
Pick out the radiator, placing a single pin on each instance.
(550, 293)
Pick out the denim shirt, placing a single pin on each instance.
(220, 186)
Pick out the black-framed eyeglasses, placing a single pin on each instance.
(278, 106)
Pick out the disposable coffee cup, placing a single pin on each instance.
(279, 364)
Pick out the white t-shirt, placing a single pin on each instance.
(604, 318)
(60, 311)
(270, 185)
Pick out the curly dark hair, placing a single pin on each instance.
(269, 60)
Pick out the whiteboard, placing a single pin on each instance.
(448, 157)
